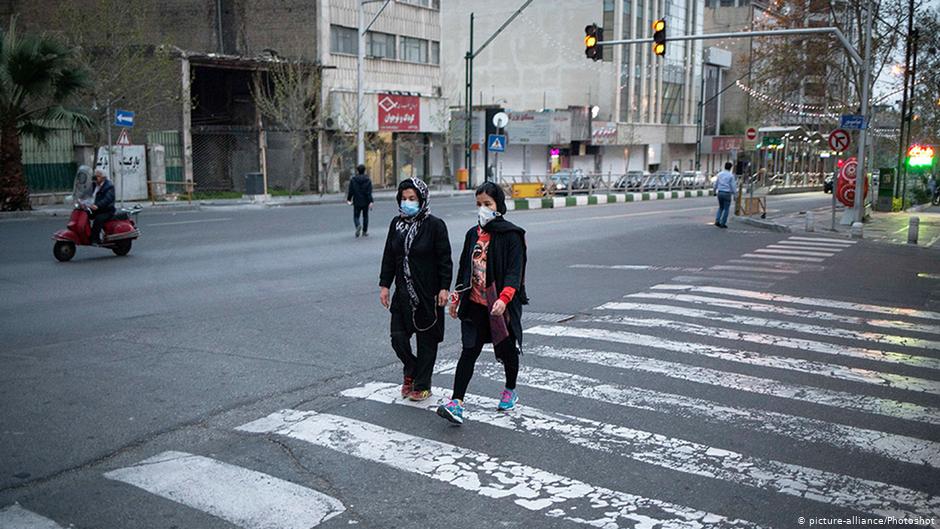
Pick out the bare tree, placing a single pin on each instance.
(288, 94)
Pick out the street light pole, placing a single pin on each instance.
(861, 175)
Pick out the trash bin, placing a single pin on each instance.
(254, 184)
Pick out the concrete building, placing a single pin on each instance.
(645, 116)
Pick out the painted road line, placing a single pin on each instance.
(808, 244)
(244, 497)
(794, 252)
(735, 381)
(16, 517)
(768, 276)
(851, 374)
(754, 269)
(660, 212)
(534, 489)
(819, 239)
(801, 429)
(753, 321)
(638, 267)
(816, 302)
(684, 456)
(771, 340)
(803, 246)
(784, 258)
(801, 267)
(706, 280)
(789, 311)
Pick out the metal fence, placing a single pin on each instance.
(576, 182)
(50, 166)
(222, 156)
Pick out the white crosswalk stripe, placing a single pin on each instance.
(16, 517)
(705, 280)
(797, 300)
(844, 242)
(789, 311)
(534, 489)
(787, 265)
(808, 244)
(776, 340)
(764, 269)
(747, 383)
(244, 497)
(784, 258)
(803, 429)
(793, 246)
(822, 369)
(794, 252)
(681, 455)
(848, 334)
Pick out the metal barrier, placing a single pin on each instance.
(574, 183)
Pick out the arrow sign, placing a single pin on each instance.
(839, 140)
(123, 118)
(496, 143)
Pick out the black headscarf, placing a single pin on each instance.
(407, 228)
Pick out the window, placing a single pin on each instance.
(344, 40)
(433, 4)
(608, 24)
(414, 50)
(381, 45)
(435, 52)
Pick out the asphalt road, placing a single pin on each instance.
(684, 402)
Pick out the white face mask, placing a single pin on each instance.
(485, 215)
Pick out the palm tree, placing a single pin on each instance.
(37, 75)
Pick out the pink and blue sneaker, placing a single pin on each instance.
(507, 400)
(452, 411)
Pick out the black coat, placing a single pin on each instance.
(431, 271)
(104, 200)
(505, 266)
(360, 191)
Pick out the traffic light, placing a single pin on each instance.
(920, 156)
(659, 37)
(593, 36)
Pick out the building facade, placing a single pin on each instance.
(644, 107)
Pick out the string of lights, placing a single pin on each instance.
(787, 106)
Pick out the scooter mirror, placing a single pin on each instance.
(84, 185)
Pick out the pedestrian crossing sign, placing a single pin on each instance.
(496, 143)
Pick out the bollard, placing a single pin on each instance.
(810, 221)
(857, 230)
(913, 227)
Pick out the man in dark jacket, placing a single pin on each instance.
(359, 196)
(103, 209)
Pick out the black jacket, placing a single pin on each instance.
(505, 266)
(360, 190)
(104, 200)
(431, 271)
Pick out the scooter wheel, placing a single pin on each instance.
(122, 248)
(64, 250)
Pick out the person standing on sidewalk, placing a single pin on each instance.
(489, 297)
(417, 258)
(725, 187)
(359, 196)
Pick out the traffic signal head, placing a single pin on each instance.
(593, 36)
(659, 37)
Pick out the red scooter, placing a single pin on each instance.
(118, 234)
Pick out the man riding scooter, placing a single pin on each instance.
(103, 206)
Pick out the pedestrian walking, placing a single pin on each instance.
(488, 298)
(417, 258)
(359, 196)
(725, 187)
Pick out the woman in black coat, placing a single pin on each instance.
(489, 297)
(417, 259)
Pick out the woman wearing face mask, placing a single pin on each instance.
(417, 258)
(489, 297)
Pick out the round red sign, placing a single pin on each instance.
(751, 134)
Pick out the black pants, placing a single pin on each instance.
(476, 333)
(420, 366)
(97, 225)
(364, 211)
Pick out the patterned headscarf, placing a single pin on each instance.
(407, 228)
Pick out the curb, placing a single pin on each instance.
(765, 224)
(521, 204)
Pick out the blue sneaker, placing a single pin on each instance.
(507, 400)
(452, 411)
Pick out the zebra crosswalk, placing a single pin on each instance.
(661, 408)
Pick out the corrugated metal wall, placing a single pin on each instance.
(170, 139)
(50, 166)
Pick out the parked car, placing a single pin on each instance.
(631, 181)
(563, 180)
(693, 178)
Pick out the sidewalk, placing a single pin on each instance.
(63, 210)
(882, 227)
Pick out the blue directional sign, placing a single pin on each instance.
(496, 143)
(853, 121)
(123, 118)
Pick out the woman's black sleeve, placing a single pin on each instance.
(514, 247)
(462, 270)
(387, 274)
(445, 265)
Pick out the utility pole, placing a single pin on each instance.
(861, 175)
(909, 117)
(902, 145)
